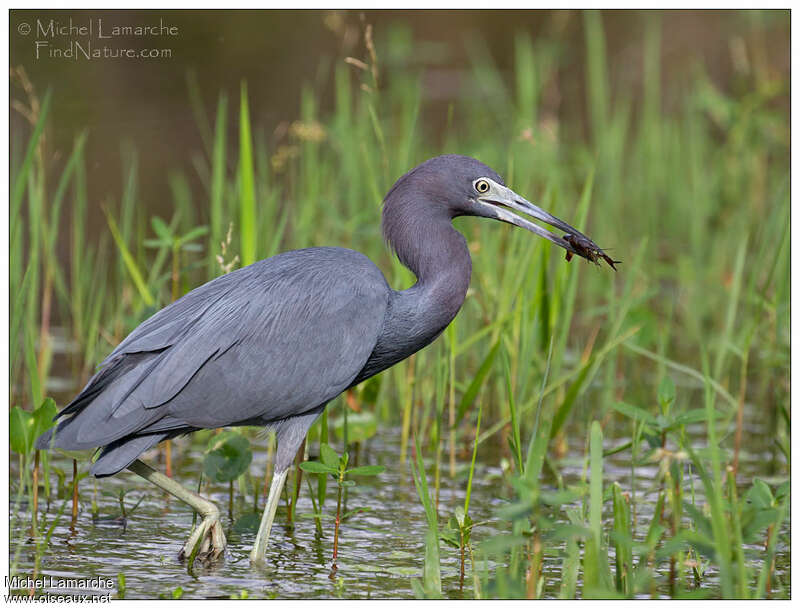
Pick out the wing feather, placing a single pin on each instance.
(263, 343)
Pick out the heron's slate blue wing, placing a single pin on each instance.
(265, 343)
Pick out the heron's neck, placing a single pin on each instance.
(438, 255)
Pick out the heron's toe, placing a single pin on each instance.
(207, 542)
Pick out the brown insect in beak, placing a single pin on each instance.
(587, 249)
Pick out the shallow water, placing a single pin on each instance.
(380, 549)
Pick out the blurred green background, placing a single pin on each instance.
(280, 52)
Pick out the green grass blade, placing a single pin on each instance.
(432, 581)
(130, 262)
(477, 381)
(248, 228)
(20, 180)
(218, 226)
(623, 556)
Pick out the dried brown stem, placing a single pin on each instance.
(74, 490)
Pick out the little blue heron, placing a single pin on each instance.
(272, 343)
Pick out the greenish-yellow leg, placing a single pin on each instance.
(208, 535)
(262, 538)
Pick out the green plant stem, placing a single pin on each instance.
(338, 518)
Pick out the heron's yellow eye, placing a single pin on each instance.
(482, 186)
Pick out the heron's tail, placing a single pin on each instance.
(120, 454)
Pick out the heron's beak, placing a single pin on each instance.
(499, 202)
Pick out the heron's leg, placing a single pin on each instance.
(262, 538)
(290, 434)
(208, 535)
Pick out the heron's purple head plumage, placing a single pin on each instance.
(444, 182)
(451, 185)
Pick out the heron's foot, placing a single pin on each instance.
(207, 541)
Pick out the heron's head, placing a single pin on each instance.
(462, 186)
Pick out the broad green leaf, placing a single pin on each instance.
(194, 233)
(450, 535)
(782, 491)
(20, 430)
(752, 530)
(161, 229)
(759, 495)
(315, 467)
(635, 412)
(459, 514)
(227, 457)
(366, 470)
(329, 456)
(696, 415)
(43, 417)
(666, 393)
